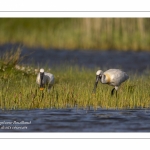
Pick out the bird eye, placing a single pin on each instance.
(100, 75)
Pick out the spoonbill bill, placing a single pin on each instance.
(113, 77)
(45, 79)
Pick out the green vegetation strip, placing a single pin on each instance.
(73, 88)
(77, 33)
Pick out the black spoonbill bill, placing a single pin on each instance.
(45, 79)
(113, 77)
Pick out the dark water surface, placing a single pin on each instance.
(128, 61)
(73, 120)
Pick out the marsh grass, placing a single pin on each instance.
(73, 88)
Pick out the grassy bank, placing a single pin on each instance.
(77, 33)
(73, 87)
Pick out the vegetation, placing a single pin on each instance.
(73, 88)
(77, 33)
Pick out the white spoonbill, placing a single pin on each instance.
(113, 77)
(45, 79)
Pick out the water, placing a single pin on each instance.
(75, 120)
(128, 61)
(79, 120)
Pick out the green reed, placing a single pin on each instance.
(77, 33)
(73, 88)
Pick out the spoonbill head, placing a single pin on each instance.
(113, 77)
(45, 79)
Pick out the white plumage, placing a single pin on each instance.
(113, 77)
(45, 79)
